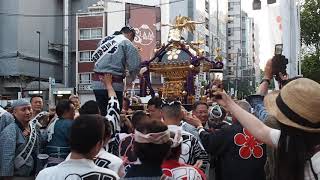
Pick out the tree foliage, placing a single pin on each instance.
(310, 34)
(311, 67)
(310, 23)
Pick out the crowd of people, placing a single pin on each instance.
(276, 137)
(267, 136)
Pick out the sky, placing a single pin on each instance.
(260, 18)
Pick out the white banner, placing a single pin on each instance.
(291, 34)
(284, 29)
(275, 24)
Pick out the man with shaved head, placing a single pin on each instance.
(19, 143)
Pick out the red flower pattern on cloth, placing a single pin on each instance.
(249, 145)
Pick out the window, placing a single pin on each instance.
(207, 23)
(207, 40)
(84, 33)
(230, 6)
(230, 71)
(85, 78)
(207, 6)
(230, 32)
(96, 33)
(229, 43)
(91, 33)
(85, 56)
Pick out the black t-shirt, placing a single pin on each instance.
(239, 156)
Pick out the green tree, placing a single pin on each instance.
(310, 34)
(311, 67)
(246, 87)
(310, 24)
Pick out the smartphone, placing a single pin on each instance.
(278, 49)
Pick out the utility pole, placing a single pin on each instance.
(38, 32)
(66, 8)
(236, 86)
(218, 44)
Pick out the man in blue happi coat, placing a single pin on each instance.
(20, 142)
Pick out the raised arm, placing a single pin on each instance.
(113, 109)
(107, 81)
(263, 88)
(247, 120)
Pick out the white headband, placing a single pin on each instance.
(155, 138)
(158, 138)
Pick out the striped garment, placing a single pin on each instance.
(113, 116)
(12, 143)
(192, 150)
(190, 129)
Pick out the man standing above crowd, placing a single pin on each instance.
(36, 105)
(115, 55)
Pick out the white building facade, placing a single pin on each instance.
(241, 50)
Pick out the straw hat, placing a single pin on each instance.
(296, 105)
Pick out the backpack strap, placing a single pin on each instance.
(313, 172)
(316, 149)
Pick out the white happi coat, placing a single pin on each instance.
(109, 161)
(77, 169)
(191, 149)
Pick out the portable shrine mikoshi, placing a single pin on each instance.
(179, 61)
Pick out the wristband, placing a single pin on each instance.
(200, 129)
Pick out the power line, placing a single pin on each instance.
(62, 15)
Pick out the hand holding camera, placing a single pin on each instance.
(279, 64)
(217, 86)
